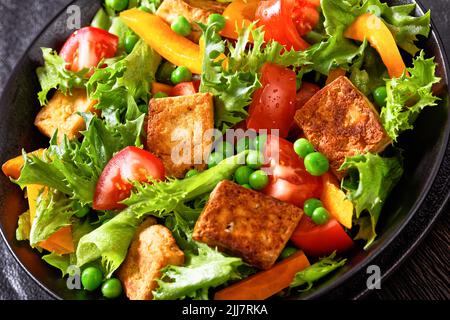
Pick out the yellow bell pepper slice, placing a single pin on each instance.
(334, 200)
(12, 167)
(237, 14)
(158, 35)
(369, 26)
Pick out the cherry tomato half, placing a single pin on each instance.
(114, 184)
(86, 47)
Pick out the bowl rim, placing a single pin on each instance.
(341, 279)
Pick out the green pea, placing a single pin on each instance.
(310, 205)
(117, 5)
(160, 94)
(191, 173)
(214, 159)
(320, 215)
(287, 252)
(91, 278)
(181, 74)
(101, 20)
(258, 180)
(260, 142)
(254, 159)
(218, 19)
(225, 148)
(165, 71)
(112, 288)
(80, 211)
(130, 41)
(303, 147)
(181, 26)
(316, 164)
(243, 144)
(242, 175)
(247, 186)
(380, 96)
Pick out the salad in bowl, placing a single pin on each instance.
(228, 150)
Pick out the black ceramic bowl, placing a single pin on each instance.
(409, 213)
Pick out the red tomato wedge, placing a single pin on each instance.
(306, 92)
(183, 89)
(305, 15)
(289, 181)
(320, 240)
(86, 47)
(277, 18)
(114, 184)
(273, 105)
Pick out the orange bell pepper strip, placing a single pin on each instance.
(369, 26)
(161, 87)
(61, 242)
(265, 284)
(334, 200)
(12, 167)
(334, 74)
(237, 14)
(158, 35)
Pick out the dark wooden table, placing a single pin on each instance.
(424, 275)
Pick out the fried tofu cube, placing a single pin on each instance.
(180, 130)
(192, 10)
(341, 122)
(60, 114)
(247, 224)
(152, 248)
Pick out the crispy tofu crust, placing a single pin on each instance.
(341, 122)
(192, 10)
(152, 248)
(176, 132)
(60, 114)
(247, 224)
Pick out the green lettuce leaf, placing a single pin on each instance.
(73, 167)
(405, 27)
(53, 211)
(407, 96)
(206, 269)
(131, 75)
(371, 178)
(23, 227)
(234, 85)
(62, 262)
(110, 241)
(54, 75)
(337, 51)
(317, 271)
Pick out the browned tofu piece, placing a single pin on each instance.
(60, 114)
(176, 132)
(246, 223)
(192, 10)
(152, 248)
(341, 122)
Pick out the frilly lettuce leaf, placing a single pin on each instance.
(408, 95)
(23, 227)
(205, 269)
(317, 271)
(54, 75)
(53, 211)
(371, 178)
